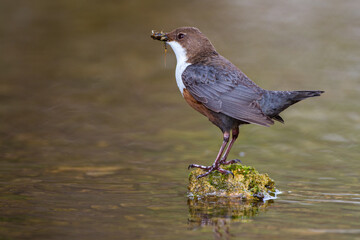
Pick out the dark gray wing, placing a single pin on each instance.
(227, 90)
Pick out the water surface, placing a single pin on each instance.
(95, 137)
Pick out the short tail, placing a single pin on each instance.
(300, 95)
(274, 102)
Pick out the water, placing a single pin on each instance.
(95, 137)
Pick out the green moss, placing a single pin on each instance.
(247, 184)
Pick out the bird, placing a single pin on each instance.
(219, 90)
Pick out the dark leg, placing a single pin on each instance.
(216, 163)
(235, 134)
(199, 166)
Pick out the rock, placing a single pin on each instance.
(247, 184)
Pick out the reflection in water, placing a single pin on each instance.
(220, 212)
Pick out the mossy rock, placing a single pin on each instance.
(247, 184)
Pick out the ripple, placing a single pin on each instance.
(270, 197)
(341, 194)
(341, 231)
(332, 201)
(333, 137)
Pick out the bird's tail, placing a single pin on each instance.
(274, 102)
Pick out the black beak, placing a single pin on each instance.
(159, 36)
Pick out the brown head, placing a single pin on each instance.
(188, 41)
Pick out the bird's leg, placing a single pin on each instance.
(225, 141)
(216, 164)
(235, 134)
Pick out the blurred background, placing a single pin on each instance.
(95, 137)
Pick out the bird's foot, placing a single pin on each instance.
(223, 171)
(210, 169)
(224, 162)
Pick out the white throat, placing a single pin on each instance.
(181, 64)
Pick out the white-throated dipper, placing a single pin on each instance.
(216, 88)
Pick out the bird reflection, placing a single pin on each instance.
(220, 212)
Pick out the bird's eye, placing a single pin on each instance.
(180, 36)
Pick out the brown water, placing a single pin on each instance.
(95, 137)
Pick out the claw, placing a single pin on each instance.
(223, 171)
(231, 162)
(202, 175)
(190, 166)
(237, 161)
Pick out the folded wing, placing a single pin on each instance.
(227, 90)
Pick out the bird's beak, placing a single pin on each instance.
(161, 36)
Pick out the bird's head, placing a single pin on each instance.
(187, 42)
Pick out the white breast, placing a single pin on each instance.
(181, 64)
